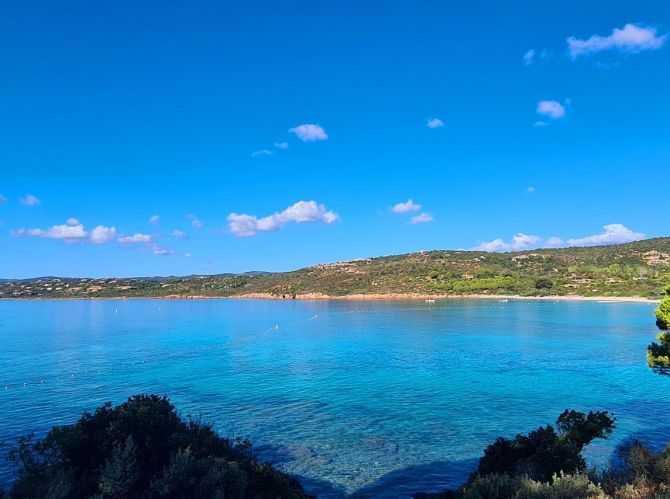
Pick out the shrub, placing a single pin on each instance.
(547, 451)
(544, 283)
(142, 448)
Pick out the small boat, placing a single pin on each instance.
(504, 300)
(430, 300)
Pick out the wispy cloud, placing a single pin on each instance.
(243, 225)
(262, 152)
(281, 145)
(529, 57)
(30, 200)
(309, 132)
(196, 223)
(551, 108)
(160, 250)
(179, 234)
(631, 39)
(611, 234)
(424, 218)
(530, 189)
(435, 123)
(154, 219)
(406, 207)
(137, 238)
(3, 199)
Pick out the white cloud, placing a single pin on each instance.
(529, 57)
(136, 238)
(530, 189)
(3, 199)
(421, 219)
(611, 234)
(65, 232)
(243, 225)
(72, 221)
(196, 223)
(179, 234)
(630, 39)
(262, 152)
(281, 145)
(160, 250)
(519, 242)
(30, 200)
(435, 123)
(540, 123)
(102, 234)
(309, 132)
(554, 242)
(154, 219)
(406, 207)
(551, 108)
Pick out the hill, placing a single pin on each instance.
(634, 269)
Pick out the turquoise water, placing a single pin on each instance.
(381, 398)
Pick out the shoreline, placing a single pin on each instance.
(359, 297)
(422, 296)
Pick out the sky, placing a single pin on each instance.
(172, 138)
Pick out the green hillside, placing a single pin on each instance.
(634, 269)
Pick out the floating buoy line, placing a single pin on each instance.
(132, 363)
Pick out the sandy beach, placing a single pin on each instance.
(419, 296)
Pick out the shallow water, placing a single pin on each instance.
(381, 398)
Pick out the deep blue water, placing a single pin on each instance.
(381, 398)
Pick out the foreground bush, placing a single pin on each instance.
(548, 450)
(143, 449)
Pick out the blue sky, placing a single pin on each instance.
(275, 135)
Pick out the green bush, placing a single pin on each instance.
(548, 450)
(544, 283)
(143, 449)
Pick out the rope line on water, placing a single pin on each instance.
(126, 364)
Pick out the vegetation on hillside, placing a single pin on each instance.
(633, 269)
(143, 449)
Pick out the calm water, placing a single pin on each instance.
(381, 398)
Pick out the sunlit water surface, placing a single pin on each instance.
(384, 399)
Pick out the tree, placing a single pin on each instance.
(658, 354)
(548, 450)
(143, 449)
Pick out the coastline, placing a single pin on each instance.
(356, 297)
(359, 297)
(421, 296)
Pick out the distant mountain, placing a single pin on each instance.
(634, 269)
